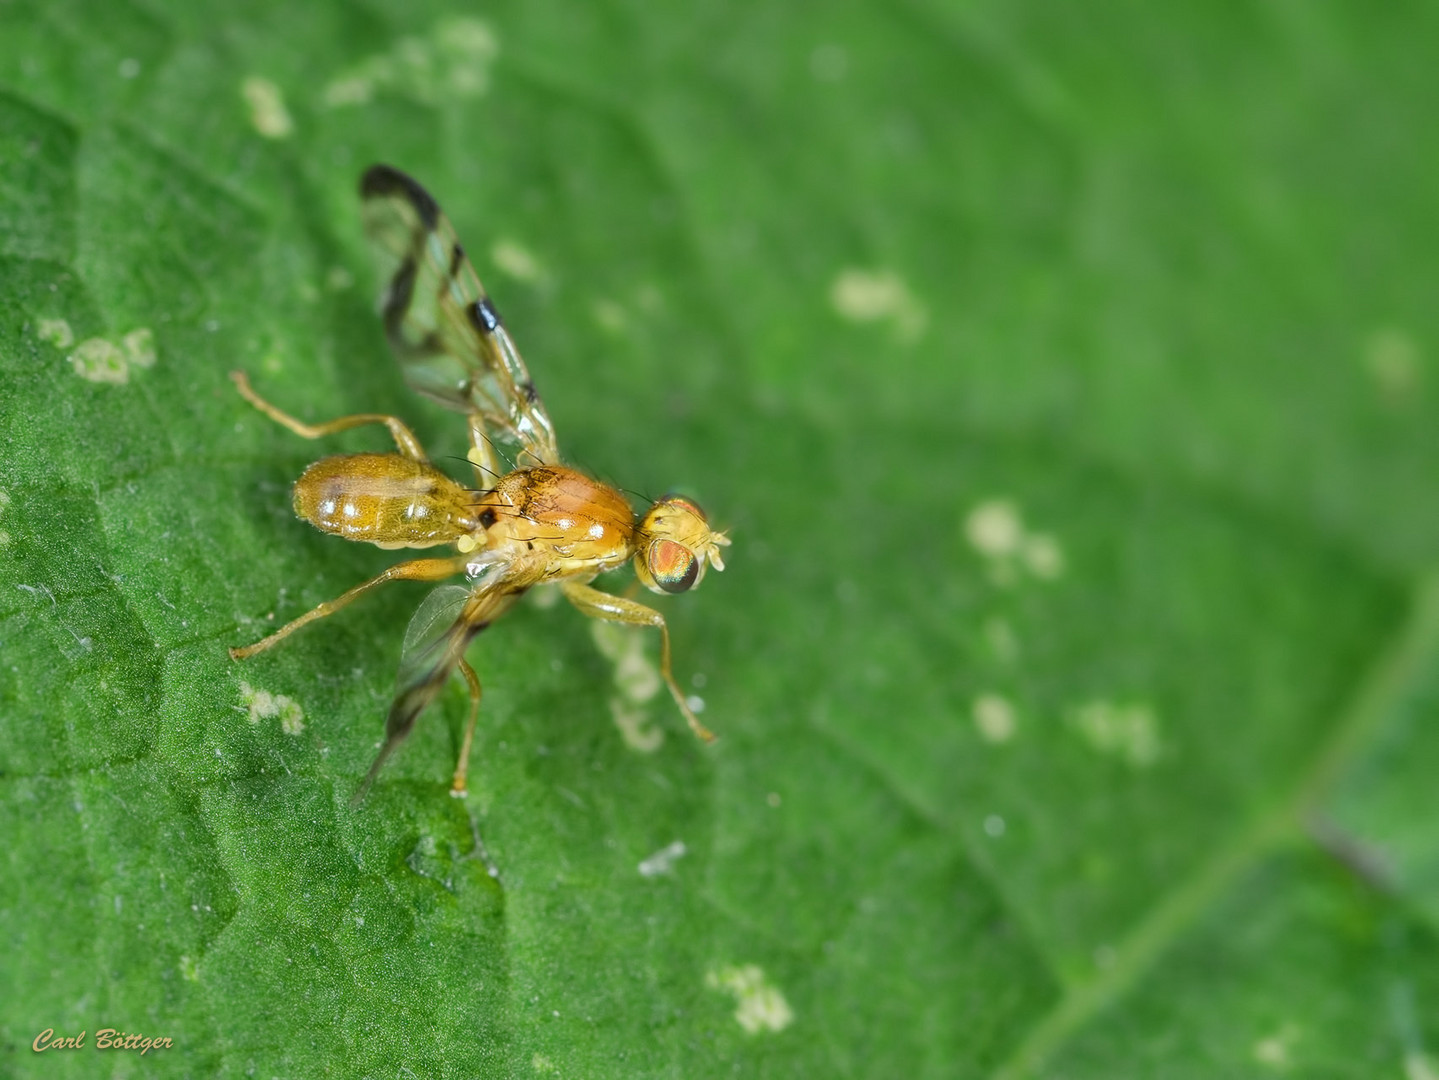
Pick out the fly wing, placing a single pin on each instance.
(447, 335)
(428, 626)
(435, 642)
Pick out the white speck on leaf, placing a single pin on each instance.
(760, 1006)
(663, 860)
(263, 705)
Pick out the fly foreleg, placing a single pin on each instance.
(602, 605)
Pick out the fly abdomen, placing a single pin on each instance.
(384, 499)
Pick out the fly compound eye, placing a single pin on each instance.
(673, 566)
(679, 502)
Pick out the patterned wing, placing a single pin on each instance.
(441, 325)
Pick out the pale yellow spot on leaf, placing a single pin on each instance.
(100, 361)
(610, 316)
(355, 89)
(452, 61)
(1418, 1066)
(636, 676)
(760, 1006)
(1392, 359)
(635, 726)
(516, 260)
(1129, 732)
(268, 114)
(57, 332)
(1273, 1051)
(994, 528)
(994, 717)
(292, 717)
(1043, 555)
(467, 47)
(867, 296)
(139, 346)
(189, 969)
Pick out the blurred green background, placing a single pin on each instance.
(1066, 376)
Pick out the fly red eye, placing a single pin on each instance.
(673, 566)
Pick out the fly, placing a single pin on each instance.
(540, 522)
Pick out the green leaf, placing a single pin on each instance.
(1066, 379)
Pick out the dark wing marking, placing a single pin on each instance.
(445, 331)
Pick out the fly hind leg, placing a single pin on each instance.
(414, 570)
(602, 605)
(404, 438)
(462, 763)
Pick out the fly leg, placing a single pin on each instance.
(462, 764)
(404, 438)
(483, 456)
(601, 605)
(413, 570)
(429, 677)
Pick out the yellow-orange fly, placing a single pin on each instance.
(540, 522)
